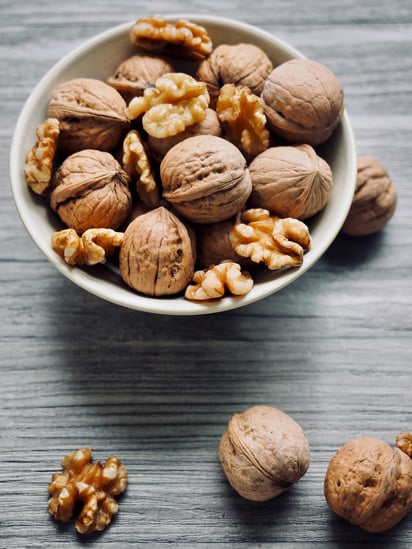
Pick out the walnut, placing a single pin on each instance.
(92, 484)
(244, 122)
(38, 168)
(303, 101)
(92, 247)
(157, 256)
(91, 190)
(374, 201)
(138, 72)
(276, 242)
(404, 443)
(91, 115)
(205, 178)
(176, 101)
(214, 244)
(213, 282)
(369, 483)
(291, 181)
(136, 162)
(210, 125)
(263, 452)
(181, 38)
(240, 64)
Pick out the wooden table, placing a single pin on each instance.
(333, 349)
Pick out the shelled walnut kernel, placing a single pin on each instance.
(92, 484)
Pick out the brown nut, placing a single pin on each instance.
(91, 190)
(91, 115)
(138, 72)
(369, 483)
(93, 485)
(291, 181)
(240, 64)
(217, 280)
(263, 452)
(374, 201)
(210, 125)
(205, 178)
(303, 101)
(158, 255)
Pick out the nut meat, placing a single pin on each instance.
(92, 484)
(263, 452)
(213, 282)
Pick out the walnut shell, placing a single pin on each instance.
(91, 190)
(91, 115)
(374, 201)
(292, 181)
(206, 178)
(263, 452)
(303, 101)
(240, 64)
(138, 72)
(158, 253)
(209, 126)
(369, 483)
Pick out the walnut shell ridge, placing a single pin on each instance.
(263, 452)
(291, 181)
(205, 178)
(303, 101)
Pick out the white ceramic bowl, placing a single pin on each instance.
(98, 58)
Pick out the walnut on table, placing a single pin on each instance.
(182, 38)
(92, 484)
(176, 102)
(38, 168)
(92, 247)
(243, 118)
(273, 241)
(213, 282)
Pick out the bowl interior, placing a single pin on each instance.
(98, 58)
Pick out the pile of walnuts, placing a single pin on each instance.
(192, 170)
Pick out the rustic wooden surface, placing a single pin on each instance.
(333, 349)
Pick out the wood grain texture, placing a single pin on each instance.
(333, 349)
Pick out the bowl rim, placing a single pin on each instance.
(121, 294)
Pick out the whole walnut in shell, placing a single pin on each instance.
(91, 190)
(263, 452)
(206, 178)
(374, 201)
(291, 180)
(303, 101)
(369, 483)
(138, 72)
(158, 253)
(240, 64)
(91, 115)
